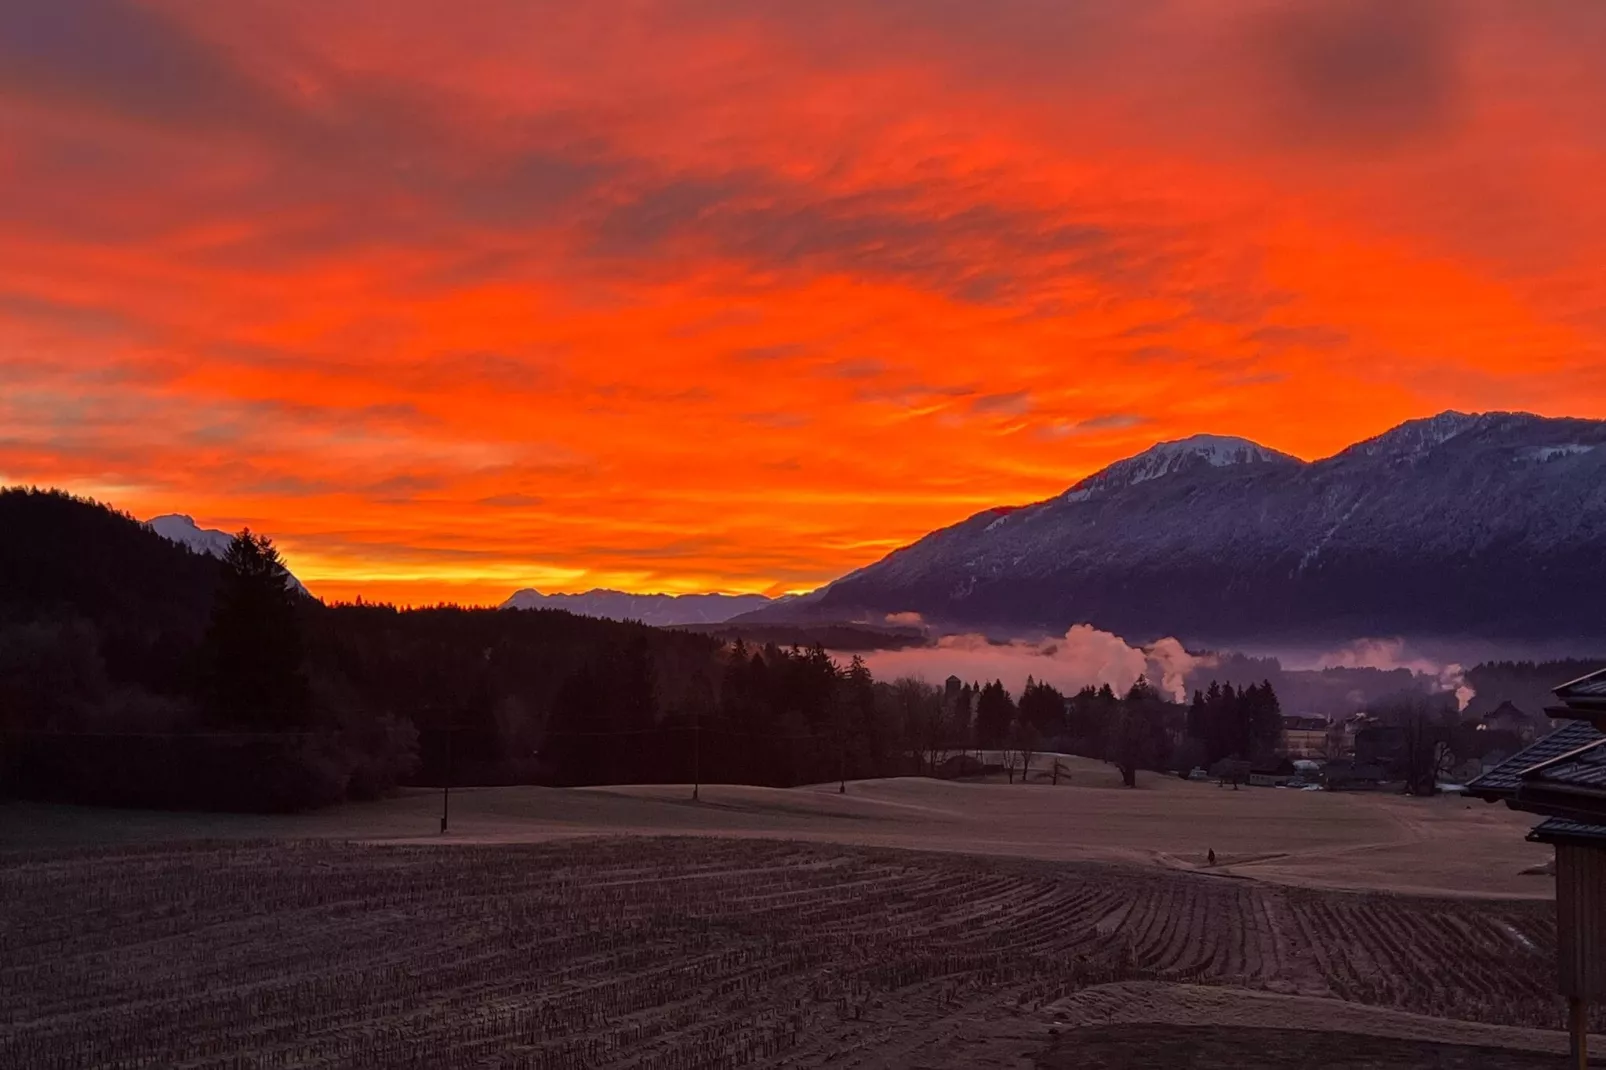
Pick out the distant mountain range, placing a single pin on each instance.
(661, 610)
(176, 527)
(1489, 525)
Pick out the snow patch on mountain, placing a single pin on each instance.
(1170, 458)
(1416, 437)
(176, 527)
(1549, 453)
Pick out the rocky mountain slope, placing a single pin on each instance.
(1489, 525)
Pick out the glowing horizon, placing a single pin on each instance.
(695, 295)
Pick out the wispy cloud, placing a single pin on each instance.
(760, 289)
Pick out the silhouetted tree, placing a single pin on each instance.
(1091, 713)
(995, 712)
(1138, 738)
(1043, 707)
(1025, 742)
(253, 645)
(858, 698)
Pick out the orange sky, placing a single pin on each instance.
(741, 294)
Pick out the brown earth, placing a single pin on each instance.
(1153, 1047)
(709, 952)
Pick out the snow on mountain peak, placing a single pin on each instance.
(182, 529)
(1418, 436)
(176, 527)
(1168, 458)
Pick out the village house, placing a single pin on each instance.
(1562, 777)
(1341, 734)
(1506, 717)
(1305, 737)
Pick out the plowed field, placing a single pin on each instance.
(676, 953)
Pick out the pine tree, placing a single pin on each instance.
(1043, 707)
(995, 712)
(858, 698)
(254, 644)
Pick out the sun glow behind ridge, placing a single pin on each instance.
(708, 296)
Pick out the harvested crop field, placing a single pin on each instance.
(1218, 1048)
(689, 952)
(1368, 841)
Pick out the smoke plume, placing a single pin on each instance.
(1084, 656)
(1390, 654)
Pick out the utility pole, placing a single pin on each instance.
(841, 753)
(696, 747)
(446, 788)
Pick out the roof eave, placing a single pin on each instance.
(1587, 807)
(1578, 710)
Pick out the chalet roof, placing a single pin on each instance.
(1506, 709)
(1586, 696)
(1561, 830)
(1503, 780)
(1582, 768)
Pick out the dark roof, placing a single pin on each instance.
(1586, 693)
(1561, 830)
(1584, 767)
(1503, 780)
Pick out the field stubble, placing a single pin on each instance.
(675, 953)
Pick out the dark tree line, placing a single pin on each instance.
(1227, 722)
(1131, 731)
(763, 715)
(134, 671)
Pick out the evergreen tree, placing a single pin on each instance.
(859, 699)
(963, 712)
(1197, 726)
(1043, 707)
(995, 712)
(254, 644)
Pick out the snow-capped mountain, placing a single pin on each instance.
(176, 527)
(656, 609)
(1170, 458)
(1490, 525)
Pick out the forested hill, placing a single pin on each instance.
(117, 652)
(134, 671)
(64, 558)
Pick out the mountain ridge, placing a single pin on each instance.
(661, 610)
(1488, 524)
